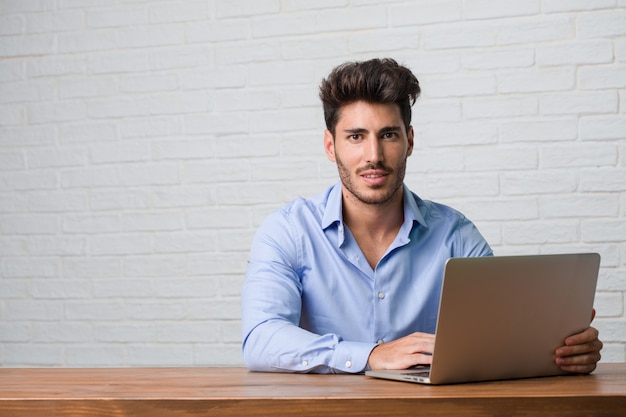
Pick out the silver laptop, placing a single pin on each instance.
(502, 317)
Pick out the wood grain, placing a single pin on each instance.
(237, 392)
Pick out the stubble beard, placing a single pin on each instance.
(375, 199)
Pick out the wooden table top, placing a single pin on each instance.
(236, 391)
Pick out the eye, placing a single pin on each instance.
(390, 135)
(354, 137)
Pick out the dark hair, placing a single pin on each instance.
(373, 81)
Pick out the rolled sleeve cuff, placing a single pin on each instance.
(351, 357)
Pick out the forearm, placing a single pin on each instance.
(282, 347)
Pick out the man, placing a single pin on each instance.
(350, 280)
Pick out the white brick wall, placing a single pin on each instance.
(142, 143)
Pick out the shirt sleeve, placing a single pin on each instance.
(271, 304)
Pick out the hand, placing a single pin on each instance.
(411, 350)
(581, 352)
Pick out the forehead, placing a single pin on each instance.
(364, 113)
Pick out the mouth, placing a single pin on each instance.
(374, 177)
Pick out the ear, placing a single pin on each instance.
(410, 136)
(329, 145)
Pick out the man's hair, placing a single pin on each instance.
(374, 81)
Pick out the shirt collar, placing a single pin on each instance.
(333, 212)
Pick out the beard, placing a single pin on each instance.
(382, 194)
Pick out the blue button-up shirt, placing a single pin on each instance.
(312, 303)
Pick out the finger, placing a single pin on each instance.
(586, 336)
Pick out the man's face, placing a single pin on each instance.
(370, 147)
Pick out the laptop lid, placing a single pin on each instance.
(502, 317)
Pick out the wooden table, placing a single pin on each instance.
(198, 392)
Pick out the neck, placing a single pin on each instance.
(374, 220)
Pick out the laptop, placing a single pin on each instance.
(502, 317)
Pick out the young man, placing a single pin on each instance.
(350, 279)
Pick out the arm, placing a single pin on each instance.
(271, 304)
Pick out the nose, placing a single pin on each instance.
(374, 150)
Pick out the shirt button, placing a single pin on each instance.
(348, 364)
(380, 342)
(305, 363)
(381, 295)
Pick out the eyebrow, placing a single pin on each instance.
(385, 129)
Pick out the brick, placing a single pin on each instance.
(385, 39)
(54, 158)
(27, 92)
(178, 12)
(176, 196)
(11, 25)
(60, 289)
(550, 182)
(603, 179)
(10, 161)
(162, 310)
(538, 130)
(91, 223)
(123, 333)
(168, 354)
(26, 45)
(10, 7)
(151, 221)
(92, 267)
(34, 310)
(601, 24)
(603, 230)
(556, 6)
(578, 103)
(222, 171)
(530, 81)
(219, 217)
(609, 304)
(216, 309)
(62, 332)
(182, 57)
(126, 151)
(35, 354)
(463, 185)
(217, 31)
(99, 355)
(57, 246)
(501, 209)
(216, 264)
(464, 133)
(485, 9)
(572, 155)
(153, 35)
(186, 241)
(154, 266)
(214, 355)
(15, 332)
(22, 224)
(150, 174)
(93, 310)
(498, 58)
(413, 14)
(194, 332)
(241, 8)
(602, 77)
(538, 29)
(123, 244)
(85, 41)
(578, 52)
(30, 267)
(87, 132)
(87, 87)
(117, 17)
(55, 112)
(602, 127)
(474, 108)
(459, 35)
(540, 232)
(123, 288)
(58, 21)
(118, 62)
(90, 177)
(455, 86)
